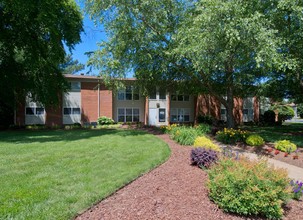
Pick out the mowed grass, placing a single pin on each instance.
(57, 174)
(288, 131)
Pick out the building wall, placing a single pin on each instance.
(89, 102)
(189, 105)
(154, 106)
(33, 119)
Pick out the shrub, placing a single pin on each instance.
(284, 112)
(285, 146)
(103, 120)
(203, 128)
(231, 136)
(205, 119)
(206, 143)
(300, 110)
(297, 189)
(203, 157)
(185, 135)
(254, 140)
(269, 117)
(248, 187)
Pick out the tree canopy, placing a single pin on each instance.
(33, 34)
(71, 66)
(224, 48)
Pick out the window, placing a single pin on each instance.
(223, 111)
(71, 111)
(34, 111)
(162, 94)
(153, 94)
(128, 115)
(180, 115)
(129, 93)
(75, 86)
(181, 98)
(162, 115)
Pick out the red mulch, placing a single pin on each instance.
(174, 190)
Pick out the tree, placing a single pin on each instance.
(287, 17)
(71, 66)
(31, 48)
(219, 47)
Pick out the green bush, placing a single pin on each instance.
(205, 119)
(269, 117)
(254, 140)
(300, 110)
(206, 143)
(231, 136)
(103, 120)
(285, 146)
(284, 112)
(203, 128)
(186, 135)
(249, 187)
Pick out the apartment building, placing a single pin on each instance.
(89, 99)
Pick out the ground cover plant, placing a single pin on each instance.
(186, 135)
(207, 143)
(288, 131)
(285, 146)
(254, 140)
(203, 158)
(56, 174)
(248, 187)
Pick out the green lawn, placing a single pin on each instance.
(291, 131)
(57, 174)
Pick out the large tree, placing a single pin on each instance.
(221, 47)
(32, 38)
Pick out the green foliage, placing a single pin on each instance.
(206, 143)
(248, 187)
(32, 39)
(186, 135)
(203, 128)
(269, 117)
(284, 112)
(206, 119)
(71, 66)
(300, 110)
(254, 140)
(231, 136)
(103, 120)
(285, 146)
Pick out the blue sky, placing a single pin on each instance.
(90, 37)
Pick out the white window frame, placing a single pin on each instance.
(34, 110)
(72, 110)
(128, 112)
(180, 98)
(122, 94)
(180, 114)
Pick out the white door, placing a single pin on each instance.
(152, 116)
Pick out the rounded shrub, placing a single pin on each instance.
(203, 158)
(254, 140)
(249, 187)
(204, 142)
(103, 120)
(285, 146)
(269, 117)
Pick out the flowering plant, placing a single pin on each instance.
(297, 189)
(231, 136)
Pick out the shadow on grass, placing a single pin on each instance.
(42, 136)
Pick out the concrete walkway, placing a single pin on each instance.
(294, 172)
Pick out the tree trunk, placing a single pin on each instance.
(230, 109)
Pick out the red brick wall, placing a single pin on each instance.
(53, 116)
(256, 109)
(89, 102)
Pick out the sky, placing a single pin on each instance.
(90, 37)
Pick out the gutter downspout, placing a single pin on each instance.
(98, 98)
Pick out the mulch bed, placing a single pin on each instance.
(174, 190)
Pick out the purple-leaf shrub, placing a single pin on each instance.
(203, 157)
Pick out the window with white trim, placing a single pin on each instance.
(180, 97)
(34, 110)
(75, 86)
(179, 115)
(129, 93)
(71, 111)
(128, 115)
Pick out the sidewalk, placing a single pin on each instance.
(294, 172)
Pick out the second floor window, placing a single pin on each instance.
(129, 93)
(180, 98)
